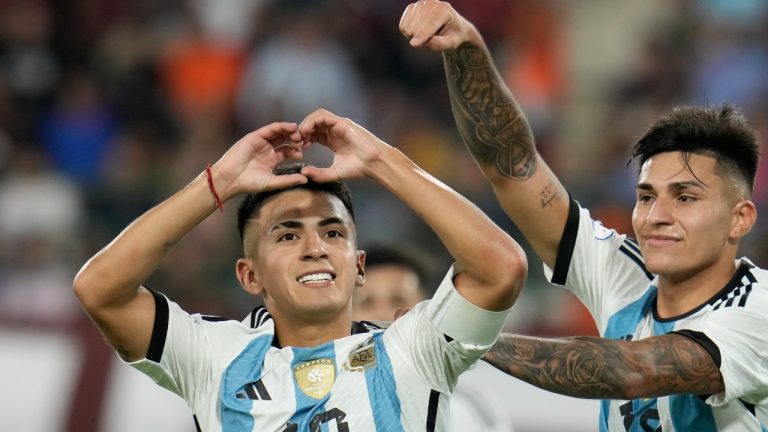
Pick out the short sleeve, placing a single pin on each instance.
(178, 358)
(443, 337)
(602, 267)
(739, 333)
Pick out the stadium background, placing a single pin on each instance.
(108, 107)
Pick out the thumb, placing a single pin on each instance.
(285, 181)
(441, 43)
(321, 175)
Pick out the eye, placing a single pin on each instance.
(644, 198)
(686, 198)
(287, 237)
(334, 233)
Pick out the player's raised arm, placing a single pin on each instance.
(109, 284)
(598, 368)
(494, 266)
(492, 125)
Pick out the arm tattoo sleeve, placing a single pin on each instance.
(591, 367)
(490, 122)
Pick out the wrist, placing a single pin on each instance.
(221, 183)
(382, 169)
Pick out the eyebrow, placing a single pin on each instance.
(677, 186)
(292, 224)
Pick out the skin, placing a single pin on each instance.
(693, 262)
(387, 288)
(688, 221)
(296, 232)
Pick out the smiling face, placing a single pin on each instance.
(686, 223)
(301, 255)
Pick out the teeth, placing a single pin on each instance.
(314, 277)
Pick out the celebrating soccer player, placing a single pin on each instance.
(300, 363)
(682, 318)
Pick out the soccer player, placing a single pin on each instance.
(394, 279)
(683, 319)
(300, 363)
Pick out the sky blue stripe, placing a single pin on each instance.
(690, 413)
(307, 407)
(382, 390)
(621, 324)
(625, 321)
(605, 408)
(246, 368)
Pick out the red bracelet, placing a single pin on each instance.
(216, 198)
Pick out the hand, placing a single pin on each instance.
(436, 25)
(247, 166)
(354, 149)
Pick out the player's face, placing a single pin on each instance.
(386, 289)
(305, 260)
(682, 221)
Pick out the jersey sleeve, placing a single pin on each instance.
(178, 357)
(443, 337)
(602, 267)
(736, 338)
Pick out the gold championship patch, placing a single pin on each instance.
(315, 377)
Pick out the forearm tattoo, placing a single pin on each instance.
(591, 367)
(490, 122)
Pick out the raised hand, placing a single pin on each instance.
(247, 166)
(436, 25)
(354, 149)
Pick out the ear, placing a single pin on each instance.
(744, 217)
(247, 276)
(360, 278)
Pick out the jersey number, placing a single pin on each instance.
(321, 418)
(645, 417)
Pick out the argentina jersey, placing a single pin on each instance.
(236, 377)
(605, 270)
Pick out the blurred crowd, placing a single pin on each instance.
(106, 108)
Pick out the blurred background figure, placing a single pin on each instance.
(395, 278)
(107, 106)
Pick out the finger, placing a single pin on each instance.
(284, 181)
(273, 132)
(441, 43)
(318, 122)
(433, 17)
(286, 151)
(406, 21)
(321, 175)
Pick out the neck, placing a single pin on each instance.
(294, 332)
(678, 295)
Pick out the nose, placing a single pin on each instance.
(314, 247)
(660, 212)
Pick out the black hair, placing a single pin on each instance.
(721, 132)
(251, 204)
(402, 255)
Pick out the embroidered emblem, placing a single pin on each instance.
(361, 359)
(315, 377)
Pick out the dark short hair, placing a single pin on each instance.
(401, 255)
(721, 132)
(251, 204)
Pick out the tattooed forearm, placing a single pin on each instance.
(489, 121)
(591, 367)
(551, 192)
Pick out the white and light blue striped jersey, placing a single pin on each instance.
(235, 377)
(606, 271)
